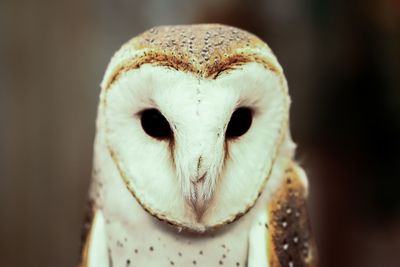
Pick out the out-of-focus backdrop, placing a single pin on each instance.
(342, 62)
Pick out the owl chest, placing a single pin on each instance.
(147, 242)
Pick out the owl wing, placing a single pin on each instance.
(94, 252)
(281, 236)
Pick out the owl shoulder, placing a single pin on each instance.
(94, 252)
(289, 240)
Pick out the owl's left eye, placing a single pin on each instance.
(155, 124)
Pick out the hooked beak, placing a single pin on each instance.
(198, 170)
(197, 201)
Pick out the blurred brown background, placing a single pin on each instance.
(342, 61)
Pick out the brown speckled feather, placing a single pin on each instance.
(290, 238)
(205, 49)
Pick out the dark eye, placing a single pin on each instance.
(155, 124)
(240, 122)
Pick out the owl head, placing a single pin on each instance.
(194, 118)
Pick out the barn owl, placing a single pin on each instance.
(193, 158)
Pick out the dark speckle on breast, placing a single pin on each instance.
(119, 244)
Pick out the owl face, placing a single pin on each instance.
(194, 150)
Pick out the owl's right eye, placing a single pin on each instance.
(155, 124)
(240, 122)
